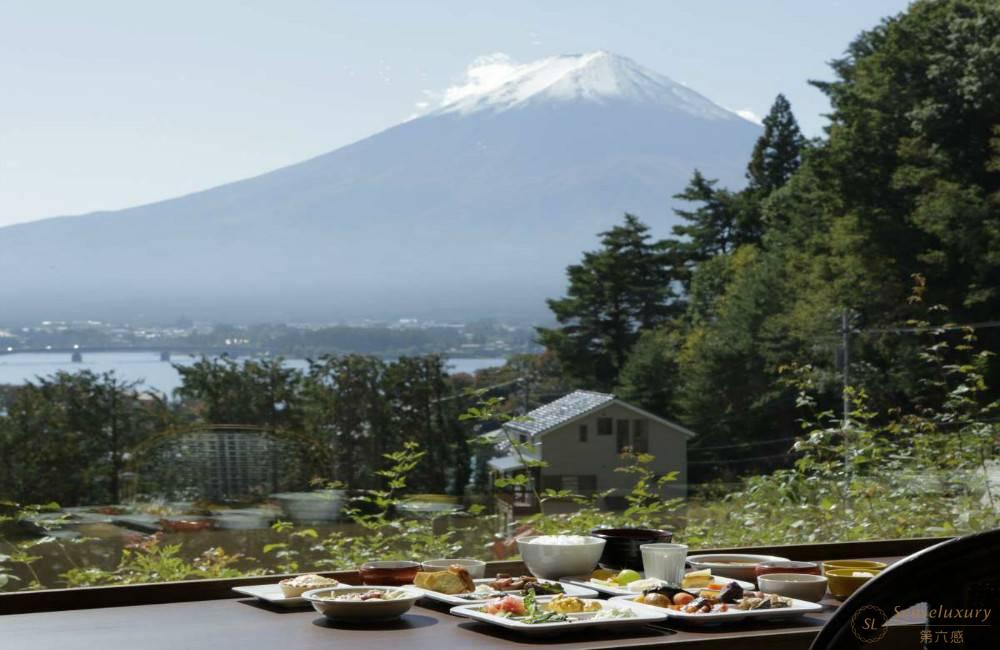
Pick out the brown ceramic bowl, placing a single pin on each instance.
(621, 548)
(787, 566)
(389, 572)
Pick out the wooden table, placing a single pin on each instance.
(242, 624)
(246, 624)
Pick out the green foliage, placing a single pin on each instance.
(614, 293)
(153, 561)
(778, 152)
(896, 474)
(261, 392)
(718, 225)
(65, 437)
(383, 533)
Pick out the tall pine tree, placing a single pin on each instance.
(614, 294)
(778, 152)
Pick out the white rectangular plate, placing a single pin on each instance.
(585, 581)
(456, 599)
(643, 616)
(272, 594)
(798, 608)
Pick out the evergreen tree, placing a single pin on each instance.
(778, 152)
(614, 294)
(713, 227)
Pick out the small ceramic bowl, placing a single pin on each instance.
(476, 568)
(362, 611)
(844, 582)
(804, 586)
(389, 572)
(739, 566)
(789, 566)
(853, 564)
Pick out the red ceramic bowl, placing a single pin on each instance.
(392, 573)
(787, 566)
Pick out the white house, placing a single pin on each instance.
(579, 437)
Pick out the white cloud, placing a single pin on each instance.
(749, 115)
(422, 105)
(484, 74)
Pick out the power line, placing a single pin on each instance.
(736, 460)
(928, 328)
(744, 444)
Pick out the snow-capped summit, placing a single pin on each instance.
(497, 84)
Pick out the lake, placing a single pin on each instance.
(147, 367)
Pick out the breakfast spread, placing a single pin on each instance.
(730, 596)
(455, 580)
(294, 587)
(530, 604)
(560, 609)
(524, 584)
(571, 605)
(364, 596)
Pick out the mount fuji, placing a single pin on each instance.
(471, 210)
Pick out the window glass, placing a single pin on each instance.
(640, 436)
(789, 310)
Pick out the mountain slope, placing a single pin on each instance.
(472, 210)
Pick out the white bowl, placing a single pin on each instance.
(476, 568)
(554, 561)
(803, 586)
(740, 566)
(362, 611)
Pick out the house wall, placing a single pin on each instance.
(598, 456)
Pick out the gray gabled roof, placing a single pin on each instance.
(562, 410)
(573, 406)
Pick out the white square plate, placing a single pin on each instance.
(643, 616)
(586, 581)
(272, 594)
(466, 599)
(798, 608)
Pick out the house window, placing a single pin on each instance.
(552, 482)
(640, 436)
(523, 438)
(570, 483)
(604, 426)
(587, 483)
(622, 431)
(583, 433)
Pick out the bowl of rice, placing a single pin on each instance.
(555, 556)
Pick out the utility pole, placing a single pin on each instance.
(845, 343)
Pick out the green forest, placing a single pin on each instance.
(826, 243)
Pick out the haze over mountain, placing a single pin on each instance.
(471, 210)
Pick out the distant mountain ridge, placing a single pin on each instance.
(472, 210)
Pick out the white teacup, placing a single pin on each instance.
(664, 561)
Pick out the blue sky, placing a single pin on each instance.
(109, 104)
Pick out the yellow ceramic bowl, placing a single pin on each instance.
(843, 582)
(853, 564)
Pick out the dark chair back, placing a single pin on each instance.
(954, 578)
